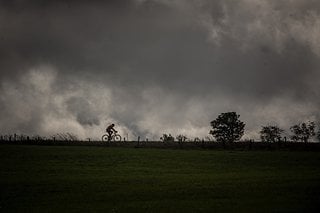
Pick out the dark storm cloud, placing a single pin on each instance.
(163, 64)
(65, 33)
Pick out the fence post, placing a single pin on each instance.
(138, 141)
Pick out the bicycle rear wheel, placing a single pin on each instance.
(105, 137)
(117, 138)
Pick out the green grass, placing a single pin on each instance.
(102, 179)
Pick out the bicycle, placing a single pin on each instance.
(114, 137)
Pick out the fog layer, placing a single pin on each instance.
(154, 67)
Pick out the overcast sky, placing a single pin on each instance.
(154, 67)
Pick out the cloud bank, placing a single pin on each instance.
(154, 67)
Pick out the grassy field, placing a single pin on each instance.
(104, 179)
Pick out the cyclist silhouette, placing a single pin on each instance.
(110, 130)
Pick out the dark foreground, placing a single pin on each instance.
(243, 145)
(110, 179)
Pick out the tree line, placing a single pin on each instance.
(57, 137)
(228, 128)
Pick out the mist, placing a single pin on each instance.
(154, 67)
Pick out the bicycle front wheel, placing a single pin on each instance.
(105, 137)
(117, 138)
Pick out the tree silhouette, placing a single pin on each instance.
(270, 133)
(167, 138)
(318, 133)
(227, 127)
(181, 138)
(303, 131)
